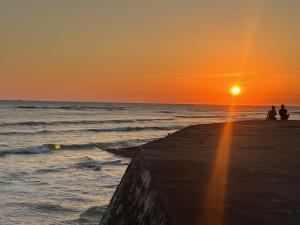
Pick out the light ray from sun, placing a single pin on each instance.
(251, 32)
(214, 201)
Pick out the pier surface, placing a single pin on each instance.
(241, 173)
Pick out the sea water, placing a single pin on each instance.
(54, 167)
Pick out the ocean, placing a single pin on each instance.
(54, 167)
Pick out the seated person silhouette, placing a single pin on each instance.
(283, 113)
(272, 114)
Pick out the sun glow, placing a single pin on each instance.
(235, 90)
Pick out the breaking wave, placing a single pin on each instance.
(200, 117)
(133, 129)
(27, 151)
(98, 130)
(46, 148)
(73, 107)
(83, 122)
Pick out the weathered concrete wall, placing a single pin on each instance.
(241, 173)
(135, 200)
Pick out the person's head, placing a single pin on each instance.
(273, 107)
(282, 106)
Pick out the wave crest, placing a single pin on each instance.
(45, 148)
(98, 130)
(87, 122)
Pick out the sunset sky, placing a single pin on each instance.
(171, 51)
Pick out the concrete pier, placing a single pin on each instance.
(242, 173)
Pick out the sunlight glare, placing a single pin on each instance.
(235, 90)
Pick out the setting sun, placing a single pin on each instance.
(235, 90)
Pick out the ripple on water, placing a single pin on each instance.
(91, 216)
(43, 207)
(88, 163)
(49, 170)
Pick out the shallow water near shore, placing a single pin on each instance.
(73, 184)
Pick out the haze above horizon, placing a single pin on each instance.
(168, 51)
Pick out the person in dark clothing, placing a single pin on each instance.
(283, 113)
(272, 114)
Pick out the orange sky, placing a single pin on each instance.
(160, 51)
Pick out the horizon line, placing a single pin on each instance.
(125, 102)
